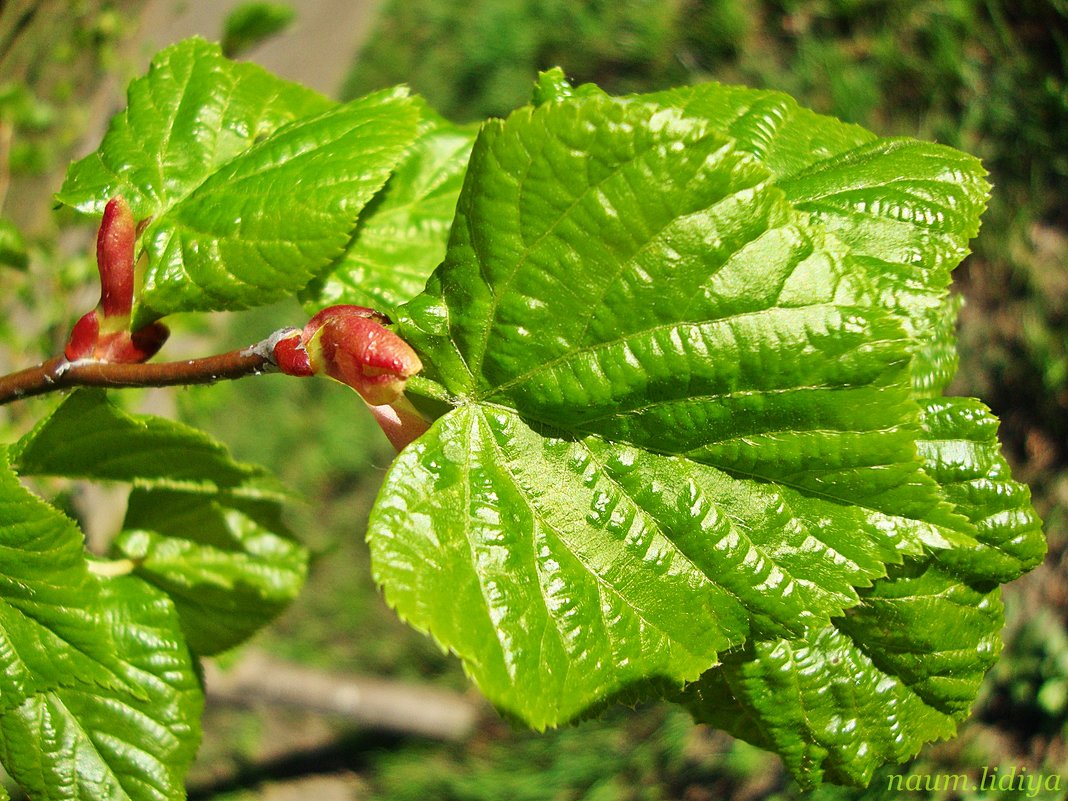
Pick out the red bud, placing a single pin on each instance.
(103, 334)
(115, 260)
(83, 337)
(127, 348)
(290, 356)
(350, 345)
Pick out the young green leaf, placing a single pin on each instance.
(192, 113)
(226, 562)
(292, 202)
(100, 697)
(88, 436)
(253, 185)
(201, 526)
(402, 233)
(684, 418)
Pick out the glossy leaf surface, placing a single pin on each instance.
(227, 562)
(201, 526)
(402, 234)
(253, 184)
(100, 699)
(88, 436)
(685, 414)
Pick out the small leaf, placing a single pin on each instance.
(253, 184)
(80, 742)
(87, 436)
(47, 601)
(402, 233)
(228, 563)
(192, 113)
(291, 203)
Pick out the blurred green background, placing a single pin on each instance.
(987, 76)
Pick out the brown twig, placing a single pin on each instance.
(59, 373)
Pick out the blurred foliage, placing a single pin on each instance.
(250, 24)
(53, 54)
(988, 76)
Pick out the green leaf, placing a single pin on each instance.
(896, 672)
(47, 600)
(906, 208)
(401, 235)
(227, 562)
(683, 418)
(564, 570)
(961, 452)
(253, 185)
(192, 113)
(712, 322)
(100, 697)
(87, 436)
(292, 202)
(201, 526)
(250, 24)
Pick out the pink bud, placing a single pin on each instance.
(350, 344)
(400, 422)
(131, 348)
(104, 333)
(115, 260)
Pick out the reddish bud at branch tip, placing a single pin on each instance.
(350, 344)
(104, 333)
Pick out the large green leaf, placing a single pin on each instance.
(100, 696)
(401, 235)
(645, 283)
(253, 185)
(683, 416)
(564, 570)
(226, 561)
(906, 208)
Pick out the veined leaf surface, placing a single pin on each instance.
(683, 417)
(253, 185)
(100, 697)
